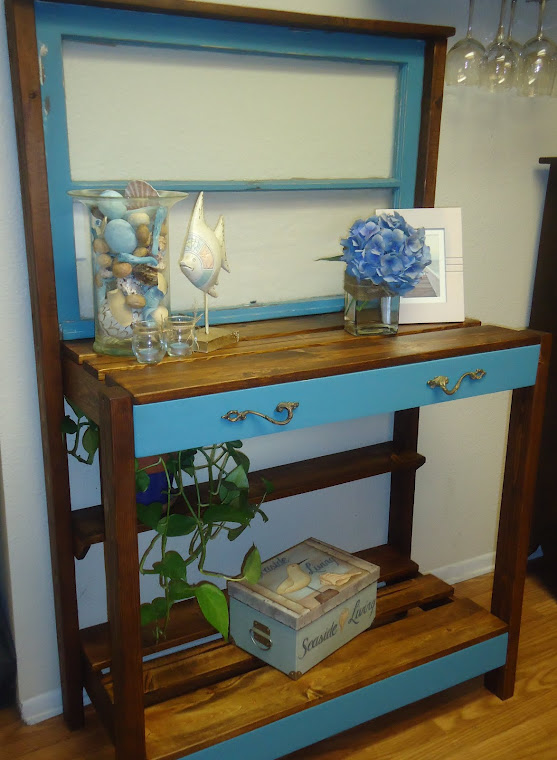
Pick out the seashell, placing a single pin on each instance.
(112, 208)
(162, 243)
(337, 579)
(139, 188)
(135, 301)
(297, 579)
(120, 236)
(343, 617)
(121, 269)
(129, 285)
(100, 245)
(135, 218)
(143, 235)
(121, 311)
(147, 275)
(141, 251)
(104, 260)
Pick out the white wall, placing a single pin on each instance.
(489, 151)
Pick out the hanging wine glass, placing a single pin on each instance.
(464, 58)
(511, 42)
(500, 63)
(539, 61)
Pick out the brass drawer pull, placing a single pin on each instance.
(442, 382)
(285, 406)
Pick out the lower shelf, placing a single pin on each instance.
(377, 672)
(215, 701)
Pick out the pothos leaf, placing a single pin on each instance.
(142, 481)
(235, 532)
(217, 513)
(237, 477)
(267, 485)
(75, 409)
(154, 611)
(149, 514)
(176, 525)
(171, 566)
(234, 444)
(214, 607)
(69, 426)
(251, 569)
(90, 439)
(180, 590)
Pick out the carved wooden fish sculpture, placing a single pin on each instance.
(204, 252)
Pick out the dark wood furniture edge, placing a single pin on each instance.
(275, 18)
(525, 425)
(20, 21)
(290, 479)
(122, 577)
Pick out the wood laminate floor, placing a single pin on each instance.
(463, 723)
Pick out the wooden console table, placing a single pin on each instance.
(215, 701)
(193, 701)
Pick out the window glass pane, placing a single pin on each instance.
(168, 114)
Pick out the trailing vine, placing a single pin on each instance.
(206, 495)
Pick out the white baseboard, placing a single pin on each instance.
(43, 706)
(468, 568)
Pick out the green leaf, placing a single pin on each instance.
(214, 607)
(176, 525)
(263, 515)
(235, 532)
(142, 481)
(268, 486)
(251, 569)
(217, 513)
(149, 514)
(90, 440)
(180, 590)
(154, 611)
(331, 258)
(171, 566)
(228, 492)
(75, 409)
(234, 444)
(238, 478)
(241, 459)
(69, 427)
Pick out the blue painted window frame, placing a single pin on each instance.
(56, 23)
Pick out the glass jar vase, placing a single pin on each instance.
(369, 309)
(129, 251)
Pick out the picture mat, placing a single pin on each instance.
(448, 306)
(176, 114)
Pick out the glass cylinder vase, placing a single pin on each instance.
(129, 251)
(369, 309)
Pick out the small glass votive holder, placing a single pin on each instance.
(148, 342)
(179, 334)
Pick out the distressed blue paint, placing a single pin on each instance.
(332, 717)
(55, 23)
(172, 425)
(227, 186)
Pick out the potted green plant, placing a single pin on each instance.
(207, 494)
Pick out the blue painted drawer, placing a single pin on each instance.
(188, 422)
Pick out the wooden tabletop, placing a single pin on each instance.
(286, 350)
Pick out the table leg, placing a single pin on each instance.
(122, 572)
(515, 518)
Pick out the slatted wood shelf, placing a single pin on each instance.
(187, 624)
(207, 664)
(288, 480)
(222, 711)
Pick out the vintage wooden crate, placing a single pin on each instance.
(310, 600)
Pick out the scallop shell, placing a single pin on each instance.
(138, 188)
(118, 307)
(129, 285)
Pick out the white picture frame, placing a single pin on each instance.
(440, 296)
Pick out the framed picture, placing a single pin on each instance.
(439, 295)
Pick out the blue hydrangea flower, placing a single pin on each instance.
(386, 250)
